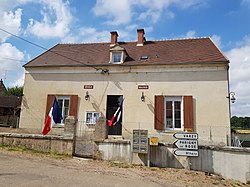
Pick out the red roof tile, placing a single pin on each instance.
(200, 50)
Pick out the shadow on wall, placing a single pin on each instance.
(162, 156)
(204, 162)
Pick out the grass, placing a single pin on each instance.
(23, 149)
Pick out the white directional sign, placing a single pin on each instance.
(186, 144)
(186, 153)
(190, 136)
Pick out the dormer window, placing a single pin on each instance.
(117, 54)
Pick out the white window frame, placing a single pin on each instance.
(93, 118)
(174, 98)
(63, 109)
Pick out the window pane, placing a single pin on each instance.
(169, 114)
(88, 117)
(96, 116)
(116, 57)
(66, 113)
(63, 102)
(91, 117)
(177, 114)
(66, 103)
(173, 113)
(177, 123)
(177, 105)
(60, 102)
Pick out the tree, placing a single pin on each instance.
(240, 122)
(16, 91)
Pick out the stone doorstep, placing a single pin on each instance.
(114, 137)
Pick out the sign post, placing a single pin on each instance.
(187, 144)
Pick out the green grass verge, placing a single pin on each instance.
(23, 149)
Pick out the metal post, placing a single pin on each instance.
(148, 160)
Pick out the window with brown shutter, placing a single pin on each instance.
(73, 105)
(168, 112)
(64, 102)
(159, 112)
(50, 100)
(188, 113)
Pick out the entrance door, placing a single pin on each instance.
(113, 103)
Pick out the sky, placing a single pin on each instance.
(49, 22)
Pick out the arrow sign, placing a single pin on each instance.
(191, 136)
(186, 153)
(186, 144)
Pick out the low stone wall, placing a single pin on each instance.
(229, 162)
(115, 150)
(57, 144)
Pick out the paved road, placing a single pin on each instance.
(22, 171)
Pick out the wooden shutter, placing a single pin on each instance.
(159, 112)
(73, 105)
(188, 113)
(50, 100)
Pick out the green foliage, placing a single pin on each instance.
(240, 122)
(16, 91)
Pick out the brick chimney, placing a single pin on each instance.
(141, 38)
(114, 36)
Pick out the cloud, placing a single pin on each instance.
(10, 21)
(245, 3)
(10, 64)
(49, 27)
(217, 40)
(123, 11)
(240, 77)
(190, 34)
(119, 12)
(87, 35)
(92, 35)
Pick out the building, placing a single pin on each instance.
(162, 86)
(10, 107)
(3, 90)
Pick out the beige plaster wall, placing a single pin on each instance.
(207, 84)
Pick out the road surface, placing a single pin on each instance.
(20, 169)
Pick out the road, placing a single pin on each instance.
(21, 169)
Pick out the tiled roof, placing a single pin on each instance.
(181, 51)
(10, 101)
(2, 88)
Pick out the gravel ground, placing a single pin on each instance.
(102, 172)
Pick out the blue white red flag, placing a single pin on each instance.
(54, 116)
(116, 117)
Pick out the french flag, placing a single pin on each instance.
(54, 117)
(116, 117)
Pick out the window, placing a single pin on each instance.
(173, 115)
(64, 105)
(117, 56)
(91, 117)
(68, 105)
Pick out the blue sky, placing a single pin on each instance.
(48, 22)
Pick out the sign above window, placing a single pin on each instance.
(142, 87)
(88, 86)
